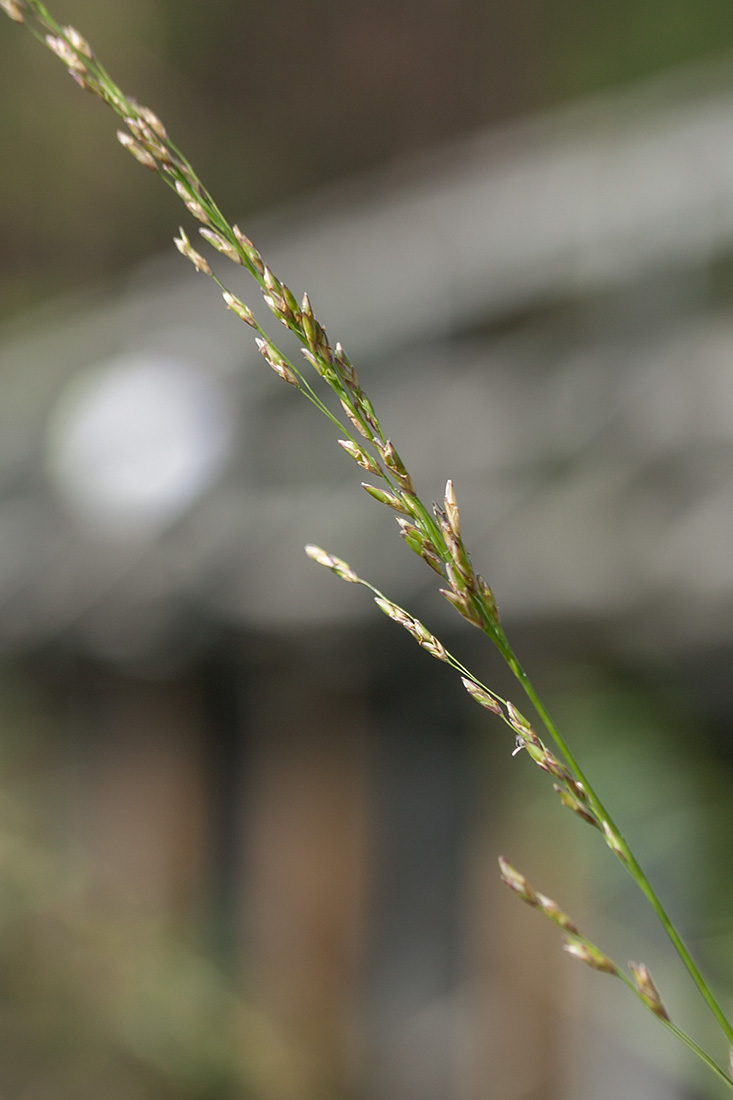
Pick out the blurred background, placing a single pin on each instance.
(248, 831)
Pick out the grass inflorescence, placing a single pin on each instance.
(433, 534)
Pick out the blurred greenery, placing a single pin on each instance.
(603, 44)
(99, 994)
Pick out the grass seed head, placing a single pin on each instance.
(647, 989)
(308, 322)
(367, 411)
(65, 53)
(516, 881)
(290, 300)
(183, 245)
(153, 122)
(249, 250)
(15, 9)
(274, 359)
(192, 204)
(518, 721)
(392, 460)
(277, 306)
(392, 611)
(341, 568)
(549, 763)
(79, 43)
(414, 538)
(428, 641)
(589, 955)
(385, 497)
(243, 312)
(462, 602)
(346, 368)
(359, 455)
(572, 803)
(221, 245)
(319, 367)
(481, 695)
(430, 558)
(271, 282)
(134, 147)
(552, 910)
(458, 582)
(488, 598)
(451, 509)
(419, 632)
(361, 428)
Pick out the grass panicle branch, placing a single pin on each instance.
(434, 535)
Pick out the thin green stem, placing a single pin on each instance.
(625, 854)
(680, 1034)
(633, 865)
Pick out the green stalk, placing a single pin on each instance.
(625, 854)
(343, 570)
(680, 1034)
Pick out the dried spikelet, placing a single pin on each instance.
(191, 203)
(276, 305)
(274, 359)
(481, 695)
(573, 803)
(412, 535)
(552, 910)
(431, 558)
(385, 497)
(428, 641)
(249, 250)
(460, 584)
(153, 122)
(488, 598)
(549, 763)
(341, 568)
(647, 989)
(518, 721)
(65, 53)
(346, 369)
(419, 632)
(290, 301)
(271, 282)
(394, 463)
(134, 147)
(239, 308)
(361, 428)
(451, 509)
(13, 8)
(79, 43)
(516, 881)
(359, 455)
(462, 603)
(183, 245)
(589, 955)
(221, 245)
